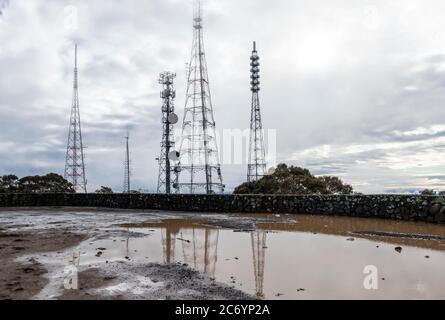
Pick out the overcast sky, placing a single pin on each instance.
(353, 88)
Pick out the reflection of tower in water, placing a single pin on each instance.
(168, 243)
(259, 250)
(199, 245)
(127, 244)
(201, 252)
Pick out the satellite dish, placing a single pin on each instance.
(176, 185)
(173, 118)
(177, 169)
(174, 155)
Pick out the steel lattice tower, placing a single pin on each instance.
(75, 158)
(169, 118)
(200, 167)
(127, 171)
(256, 167)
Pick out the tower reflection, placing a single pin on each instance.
(258, 239)
(195, 244)
(190, 243)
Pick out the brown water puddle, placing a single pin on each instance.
(300, 257)
(415, 234)
(353, 227)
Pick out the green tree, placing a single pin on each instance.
(50, 183)
(334, 185)
(294, 180)
(104, 190)
(428, 192)
(8, 183)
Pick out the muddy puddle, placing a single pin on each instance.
(280, 261)
(281, 257)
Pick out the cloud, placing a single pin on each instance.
(353, 90)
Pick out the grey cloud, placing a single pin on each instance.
(327, 80)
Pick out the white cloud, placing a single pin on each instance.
(352, 89)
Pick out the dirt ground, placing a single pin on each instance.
(22, 281)
(176, 282)
(151, 255)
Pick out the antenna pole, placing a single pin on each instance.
(127, 164)
(256, 168)
(75, 157)
(169, 118)
(200, 165)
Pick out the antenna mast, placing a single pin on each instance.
(127, 171)
(200, 170)
(169, 118)
(75, 158)
(256, 167)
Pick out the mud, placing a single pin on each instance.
(151, 281)
(24, 280)
(398, 235)
(23, 275)
(120, 254)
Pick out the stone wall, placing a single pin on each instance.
(399, 207)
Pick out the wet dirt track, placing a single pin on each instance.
(159, 255)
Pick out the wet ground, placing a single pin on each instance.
(160, 255)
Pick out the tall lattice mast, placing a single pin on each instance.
(127, 164)
(169, 118)
(200, 166)
(75, 158)
(256, 167)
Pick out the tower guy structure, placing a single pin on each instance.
(256, 167)
(127, 165)
(75, 157)
(200, 169)
(169, 118)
